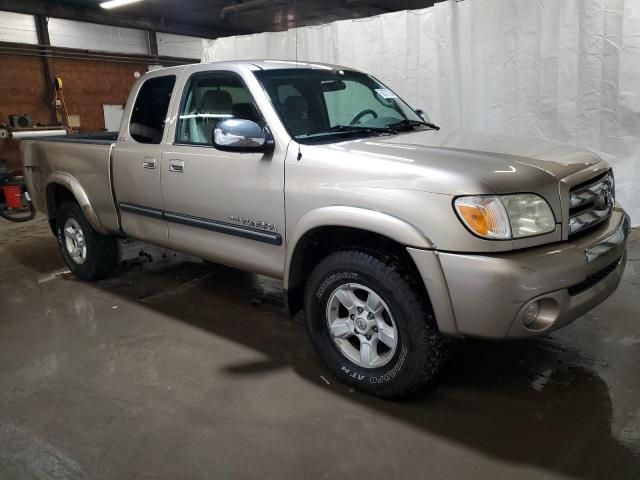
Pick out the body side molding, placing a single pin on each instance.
(271, 238)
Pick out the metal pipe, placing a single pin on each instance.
(247, 7)
(36, 133)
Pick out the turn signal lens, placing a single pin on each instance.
(503, 217)
(485, 216)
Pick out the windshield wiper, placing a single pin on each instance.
(351, 129)
(357, 128)
(413, 123)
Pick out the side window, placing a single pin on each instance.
(209, 98)
(150, 110)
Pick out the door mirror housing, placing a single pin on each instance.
(421, 113)
(240, 135)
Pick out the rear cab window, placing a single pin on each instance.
(150, 109)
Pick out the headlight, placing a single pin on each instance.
(529, 215)
(503, 217)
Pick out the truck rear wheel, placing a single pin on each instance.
(88, 254)
(372, 325)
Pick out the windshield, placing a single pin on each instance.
(325, 105)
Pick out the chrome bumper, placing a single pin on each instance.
(486, 295)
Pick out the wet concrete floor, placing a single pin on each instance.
(176, 368)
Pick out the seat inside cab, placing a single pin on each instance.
(208, 100)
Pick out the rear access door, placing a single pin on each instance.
(136, 159)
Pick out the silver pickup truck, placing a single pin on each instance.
(390, 233)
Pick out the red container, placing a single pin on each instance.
(13, 195)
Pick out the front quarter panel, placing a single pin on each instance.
(324, 178)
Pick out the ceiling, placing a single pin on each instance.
(210, 18)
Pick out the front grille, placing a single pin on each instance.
(593, 279)
(591, 203)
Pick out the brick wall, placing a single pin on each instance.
(87, 85)
(22, 88)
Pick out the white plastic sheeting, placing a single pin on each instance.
(91, 36)
(562, 70)
(18, 28)
(179, 45)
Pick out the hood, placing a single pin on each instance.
(459, 163)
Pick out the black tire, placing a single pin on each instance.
(102, 251)
(421, 348)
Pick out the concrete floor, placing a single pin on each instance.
(181, 369)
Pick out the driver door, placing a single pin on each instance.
(227, 207)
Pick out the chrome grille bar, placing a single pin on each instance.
(591, 204)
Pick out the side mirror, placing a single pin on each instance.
(240, 135)
(422, 115)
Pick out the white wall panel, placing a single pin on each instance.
(18, 28)
(179, 46)
(91, 36)
(565, 70)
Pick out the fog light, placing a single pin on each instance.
(530, 313)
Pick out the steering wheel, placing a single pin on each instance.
(357, 118)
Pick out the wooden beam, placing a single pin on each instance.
(47, 65)
(153, 43)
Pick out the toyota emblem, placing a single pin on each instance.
(605, 199)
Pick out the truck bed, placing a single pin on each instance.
(82, 164)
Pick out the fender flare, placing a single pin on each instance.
(353, 217)
(78, 192)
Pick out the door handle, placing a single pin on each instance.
(149, 162)
(176, 166)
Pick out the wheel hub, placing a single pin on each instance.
(361, 325)
(74, 241)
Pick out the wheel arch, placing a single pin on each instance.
(64, 187)
(328, 229)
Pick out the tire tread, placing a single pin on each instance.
(429, 345)
(102, 250)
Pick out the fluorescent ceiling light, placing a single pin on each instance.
(117, 3)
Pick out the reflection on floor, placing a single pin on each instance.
(175, 368)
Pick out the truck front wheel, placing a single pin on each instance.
(371, 324)
(88, 254)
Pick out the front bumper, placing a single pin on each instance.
(486, 295)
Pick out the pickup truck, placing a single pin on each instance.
(390, 233)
